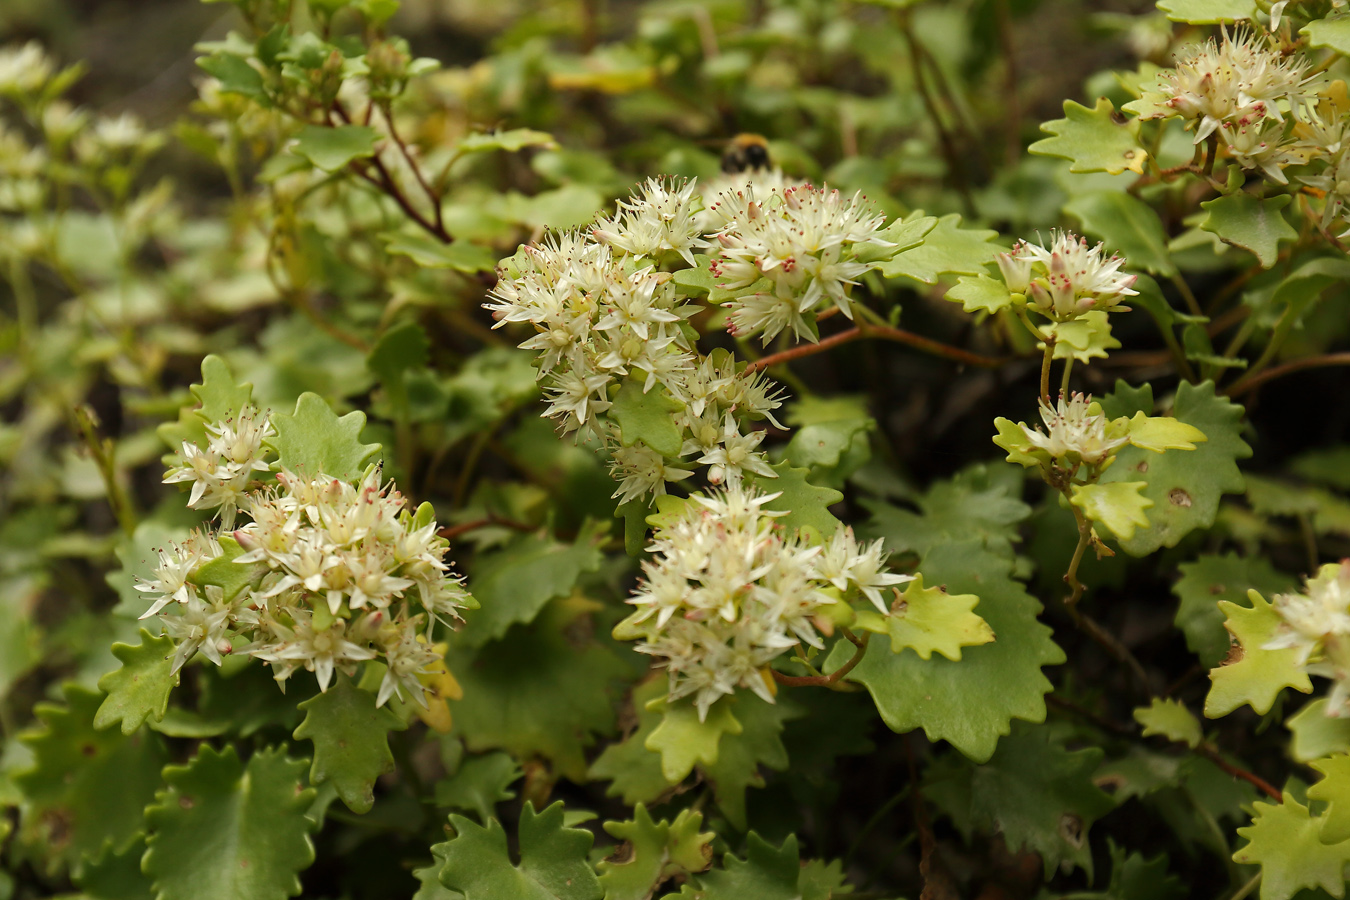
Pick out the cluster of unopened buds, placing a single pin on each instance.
(1067, 279)
(727, 591)
(339, 573)
(1316, 623)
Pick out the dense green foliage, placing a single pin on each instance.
(432, 470)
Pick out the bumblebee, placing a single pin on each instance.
(745, 152)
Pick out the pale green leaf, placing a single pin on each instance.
(1332, 32)
(1171, 719)
(510, 140)
(1210, 579)
(636, 772)
(1159, 433)
(1085, 338)
(653, 852)
(1207, 12)
(980, 294)
(1316, 734)
(806, 505)
(1253, 675)
(430, 253)
(1096, 140)
(1334, 790)
(948, 249)
(683, 739)
(929, 620)
(1119, 506)
(313, 441)
(1284, 839)
(332, 147)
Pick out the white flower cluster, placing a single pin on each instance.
(24, 69)
(803, 240)
(348, 573)
(1316, 623)
(1073, 429)
(1325, 130)
(1237, 87)
(1068, 278)
(727, 592)
(604, 311)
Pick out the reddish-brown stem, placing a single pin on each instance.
(1265, 787)
(1208, 751)
(833, 677)
(885, 333)
(385, 182)
(432, 196)
(450, 532)
(1243, 385)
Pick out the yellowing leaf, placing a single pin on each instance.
(1254, 675)
(1284, 839)
(1171, 719)
(1013, 438)
(1119, 506)
(1334, 788)
(683, 740)
(1097, 140)
(1159, 433)
(929, 620)
(980, 293)
(1084, 338)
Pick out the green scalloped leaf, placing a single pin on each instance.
(980, 294)
(768, 873)
(1096, 140)
(1172, 720)
(553, 863)
(683, 740)
(806, 505)
(513, 584)
(1085, 338)
(223, 572)
(218, 397)
(313, 441)
(929, 620)
(1207, 12)
(1334, 790)
(636, 772)
(1013, 438)
(980, 501)
(330, 147)
(351, 741)
(1332, 32)
(970, 703)
(1316, 734)
(1133, 877)
(646, 417)
(1185, 486)
(1252, 223)
(948, 249)
(86, 789)
(140, 688)
(1211, 578)
(653, 852)
(1039, 795)
(1119, 506)
(1253, 675)
(545, 690)
(1162, 433)
(480, 783)
(1128, 225)
(757, 743)
(1285, 840)
(511, 140)
(222, 830)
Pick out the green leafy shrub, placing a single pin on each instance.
(908, 503)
